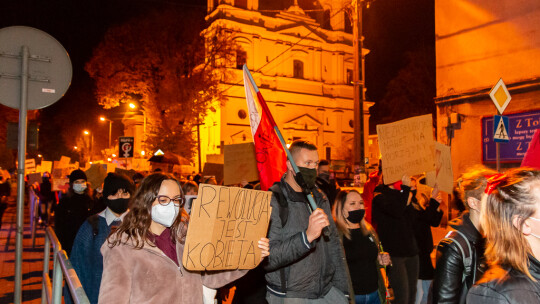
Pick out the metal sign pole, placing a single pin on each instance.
(20, 175)
(497, 149)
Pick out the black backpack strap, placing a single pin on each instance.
(283, 216)
(93, 220)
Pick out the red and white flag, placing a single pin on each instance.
(268, 149)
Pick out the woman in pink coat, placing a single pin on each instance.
(142, 260)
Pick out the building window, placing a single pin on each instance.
(298, 67)
(241, 59)
(348, 23)
(349, 77)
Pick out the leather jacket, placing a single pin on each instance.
(448, 285)
(507, 285)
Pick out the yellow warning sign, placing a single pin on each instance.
(500, 96)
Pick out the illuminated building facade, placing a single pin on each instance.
(477, 43)
(301, 58)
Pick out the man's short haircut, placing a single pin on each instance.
(300, 144)
(324, 162)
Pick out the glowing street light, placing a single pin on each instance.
(86, 132)
(142, 153)
(102, 118)
(39, 155)
(132, 105)
(75, 148)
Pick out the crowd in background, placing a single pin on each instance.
(125, 239)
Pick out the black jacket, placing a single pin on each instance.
(506, 285)
(424, 220)
(311, 269)
(447, 282)
(393, 219)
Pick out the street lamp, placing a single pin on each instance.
(86, 132)
(134, 106)
(102, 118)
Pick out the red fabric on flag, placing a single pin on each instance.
(532, 157)
(271, 158)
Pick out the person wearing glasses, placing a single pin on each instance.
(85, 255)
(142, 260)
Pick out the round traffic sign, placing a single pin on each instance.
(49, 67)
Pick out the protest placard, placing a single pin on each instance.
(60, 184)
(64, 161)
(96, 175)
(30, 166)
(443, 174)
(224, 228)
(406, 147)
(240, 164)
(46, 166)
(34, 178)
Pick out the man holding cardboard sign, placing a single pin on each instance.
(304, 266)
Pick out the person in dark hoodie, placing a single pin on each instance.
(452, 279)
(427, 215)
(393, 215)
(72, 210)
(47, 198)
(86, 257)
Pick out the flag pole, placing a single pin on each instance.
(266, 110)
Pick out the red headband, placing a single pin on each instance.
(494, 181)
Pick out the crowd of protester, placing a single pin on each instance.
(125, 239)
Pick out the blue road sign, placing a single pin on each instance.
(500, 129)
(521, 130)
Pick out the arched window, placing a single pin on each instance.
(298, 69)
(241, 59)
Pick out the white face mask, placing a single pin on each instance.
(79, 188)
(165, 215)
(538, 220)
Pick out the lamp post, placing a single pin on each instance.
(110, 128)
(86, 132)
(134, 106)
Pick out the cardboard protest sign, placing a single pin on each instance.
(30, 166)
(443, 175)
(225, 226)
(34, 178)
(46, 166)
(240, 164)
(406, 147)
(64, 161)
(96, 175)
(60, 184)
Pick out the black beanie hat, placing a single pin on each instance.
(115, 181)
(77, 174)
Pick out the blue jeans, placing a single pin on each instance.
(371, 298)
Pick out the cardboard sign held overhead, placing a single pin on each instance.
(407, 147)
(225, 226)
(443, 175)
(46, 166)
(30, 166)
(96, 175)
(64, 161)
(240, 164)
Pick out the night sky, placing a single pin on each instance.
(391, 29)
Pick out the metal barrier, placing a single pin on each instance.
(34, 214)
(52, 292)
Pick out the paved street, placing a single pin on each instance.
(32, 258)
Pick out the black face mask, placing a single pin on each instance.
(356, 216)
(309, 175)
(118, 206)
(325, 176)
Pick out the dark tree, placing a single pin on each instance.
(163, 62)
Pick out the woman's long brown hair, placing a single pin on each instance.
(341, 221)
(136, 224)
(514, 199)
